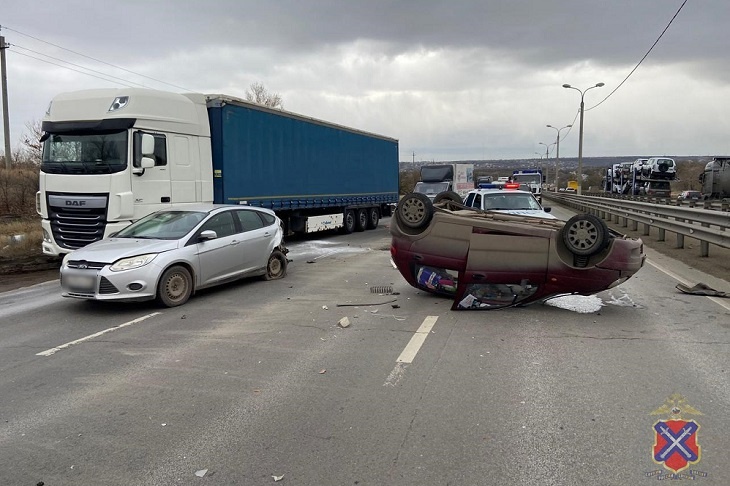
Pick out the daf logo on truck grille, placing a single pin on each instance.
(77, 201)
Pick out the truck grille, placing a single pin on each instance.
(74, 228)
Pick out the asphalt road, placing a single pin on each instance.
(255, 382)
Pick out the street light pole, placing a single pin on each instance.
(580, 132)
(557, 151)
(547, 159)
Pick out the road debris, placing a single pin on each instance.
(200, 473)
(278, 478)
(702, 289)
(344, 322)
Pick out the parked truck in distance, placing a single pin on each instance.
(532, 178)
(715, 179)
(438, 178)
(112, 156)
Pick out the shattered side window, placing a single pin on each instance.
(441, 280)
(491, 296)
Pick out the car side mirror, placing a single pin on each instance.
(547, 208)
(208, 235)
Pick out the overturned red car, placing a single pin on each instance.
(487, 260)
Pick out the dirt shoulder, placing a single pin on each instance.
(16, 273)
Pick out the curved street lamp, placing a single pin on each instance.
(580, 135)
(557, 152)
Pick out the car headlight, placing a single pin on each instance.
(132, 262)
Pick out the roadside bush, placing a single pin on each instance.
(18, 187)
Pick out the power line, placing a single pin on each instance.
(124, 81)
(66, 67)
(642, 59)
(92, 58)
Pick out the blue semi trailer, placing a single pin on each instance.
(111, 156)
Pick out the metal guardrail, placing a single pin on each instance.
(706, 225)
(716, 204)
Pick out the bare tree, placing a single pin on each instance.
(257, 93)
(32, 150)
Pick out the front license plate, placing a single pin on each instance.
(79, 282)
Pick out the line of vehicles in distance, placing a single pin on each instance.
(652, 177)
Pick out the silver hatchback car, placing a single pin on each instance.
(170, 254)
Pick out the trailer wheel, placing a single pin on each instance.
(361, 219)
(349, 222)
(175, 286)
(373, 218)
(585, 234)
(448, 196)
(415, 210)
(276, 267)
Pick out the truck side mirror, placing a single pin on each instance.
(148, 145)
(144, 163)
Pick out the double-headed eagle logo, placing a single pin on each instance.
(675, 439)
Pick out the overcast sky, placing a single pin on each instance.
(451, 80)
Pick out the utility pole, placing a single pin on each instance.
(414, 157)
(6, 122)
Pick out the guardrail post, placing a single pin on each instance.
(634, 225)
(626, 222)
(704, 246)
(725, 205)
(661, 234)
(647, 229)
(704, 249)
(680, 241)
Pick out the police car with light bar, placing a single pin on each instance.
(507, 198)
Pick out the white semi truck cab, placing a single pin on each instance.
(105, 161)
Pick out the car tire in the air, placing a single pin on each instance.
(585, 234)
(415, 210)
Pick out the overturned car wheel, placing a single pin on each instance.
(448, 196)
(415, 210)
(585, 234)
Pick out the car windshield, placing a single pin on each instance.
(163, 225)
(510, 201)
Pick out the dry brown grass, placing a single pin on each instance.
(20, 237)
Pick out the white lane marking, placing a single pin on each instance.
(395, 375)
(51, 351)
(676, 277)
(411, 349)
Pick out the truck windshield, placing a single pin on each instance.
(431, 187)
(88, 153)
(527, 178)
